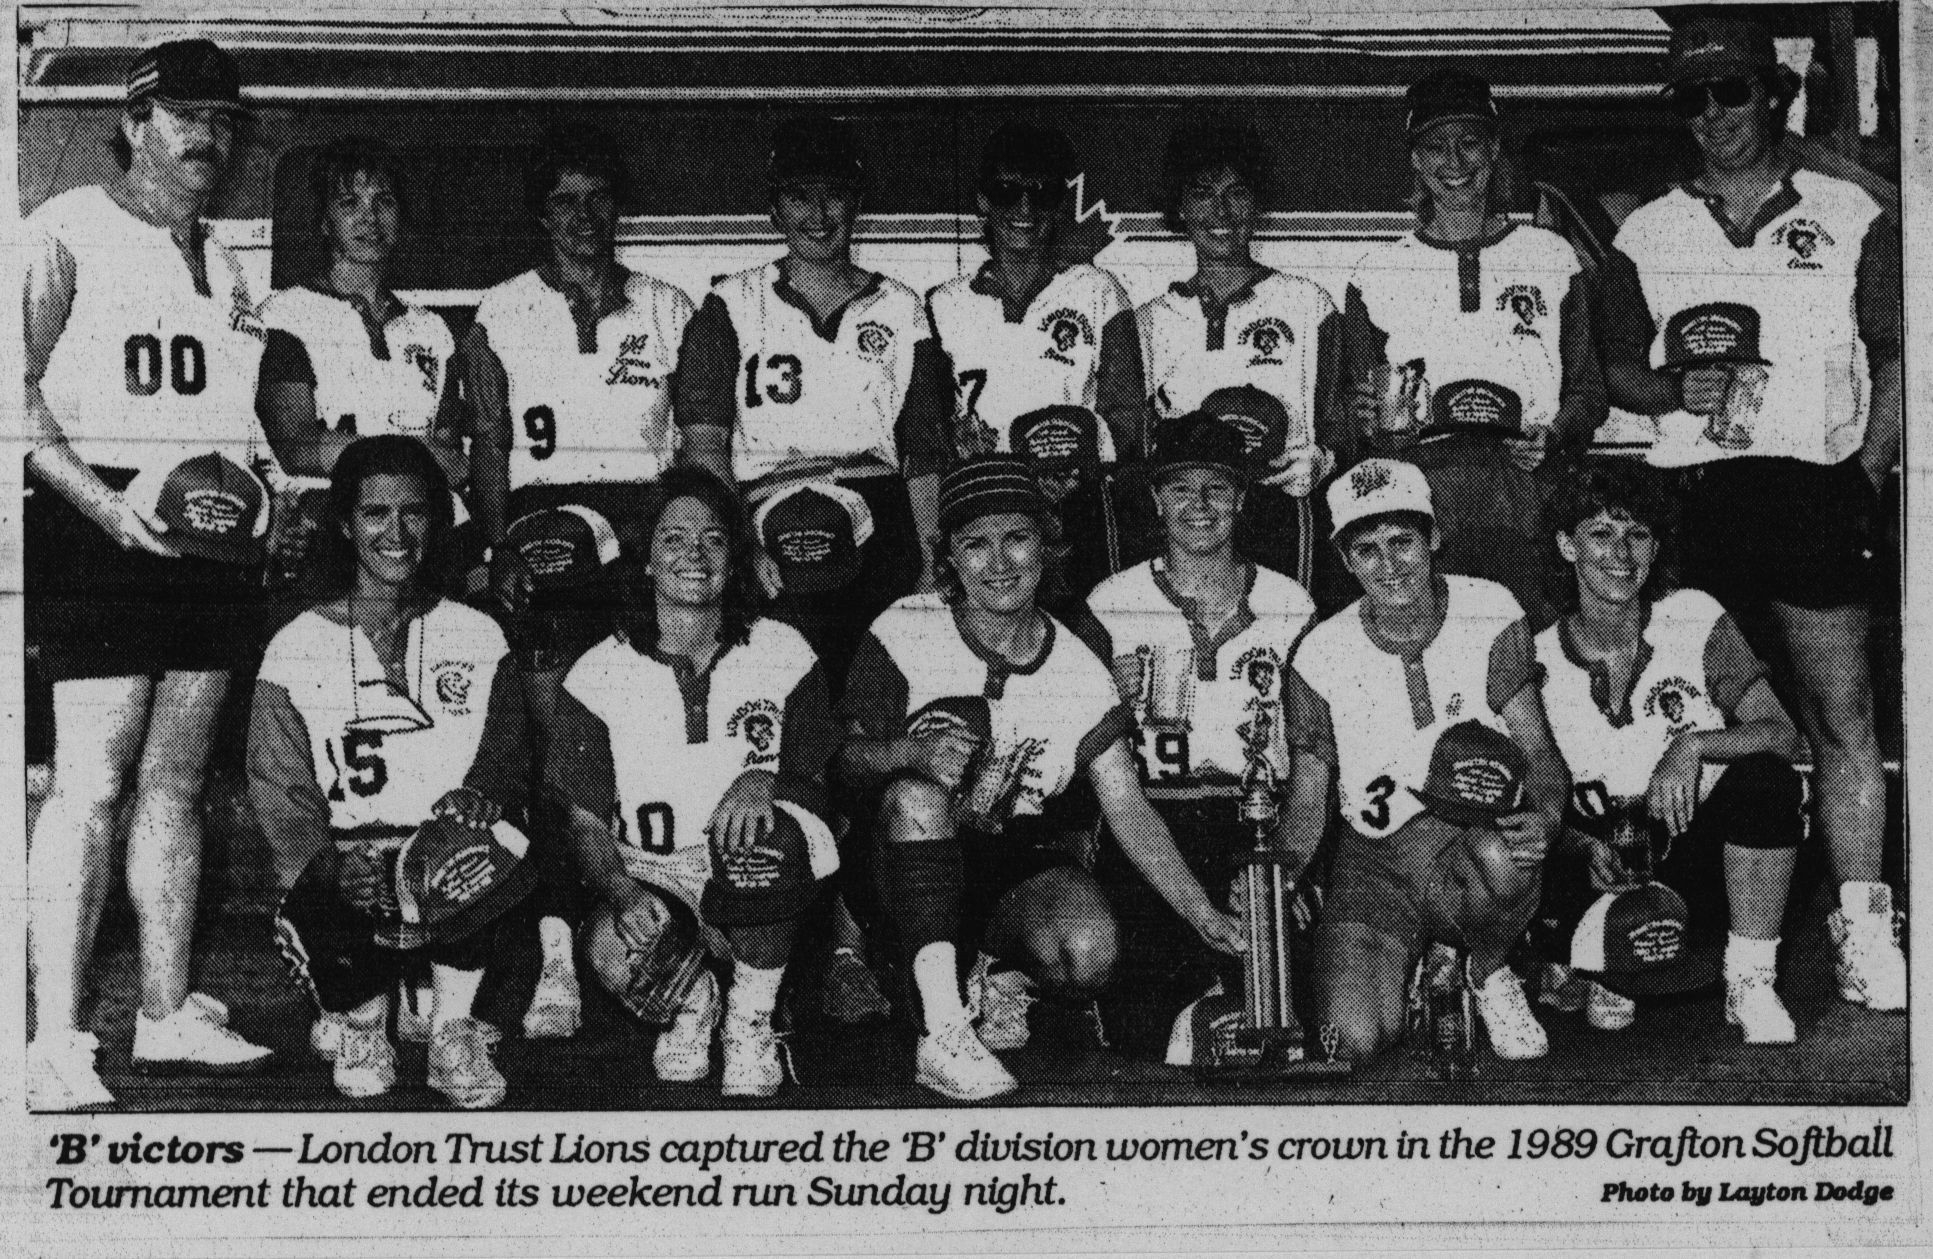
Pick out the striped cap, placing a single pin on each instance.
(987, 485)
(186, 72)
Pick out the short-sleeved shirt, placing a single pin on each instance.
(1373, 709)
(1198, 692)
(156, 363)
(1277, 335)
(369, 377)
(1694, 667)
(1820, 266)
(592, 404)
(1050, 718)
(1010, 357)
(650, 745)
(846, 396)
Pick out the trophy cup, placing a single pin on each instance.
(1266, 1041)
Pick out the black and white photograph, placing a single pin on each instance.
(1272, 568)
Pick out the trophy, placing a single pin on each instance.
(1265, 1041)
(1402, 400)
(1730, 427)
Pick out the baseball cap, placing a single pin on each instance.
(1716, 333)
(1476, 775)
(1448, 95)
(1199, 439)
(1635, 940)
(814, 148)
(813, 532)
(1057, 438)
(971, 711)
(208, 506)
(194, 72)
(453, 878)
(1374, 487)
(1718, 48)
(987, 485)
(564, 546)
(1474, 407)
(1259, 417)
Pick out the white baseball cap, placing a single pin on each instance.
(1376, 487)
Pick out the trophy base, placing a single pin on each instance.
(1260, 1055)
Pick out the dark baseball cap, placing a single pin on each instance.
(208, 506)
(1259, 417)
(453, 878)
(987, 485)
(1057, 438)
(1475, 407)
(815, 148)
(563, 546)
(1199, 439)
(187, 72)
(1448, 95)
(1718, 48)
(1476, 775)
(1635, 942)
(1715, 333)
(813, 532)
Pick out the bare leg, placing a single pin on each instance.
(1056, 927)
(1835, 702)
(1756, 883)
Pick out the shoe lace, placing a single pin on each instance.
(361, 1047)
(462, 1049)
(1503, 1001)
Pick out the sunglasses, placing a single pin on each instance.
(1005, 194)
(1689, 101)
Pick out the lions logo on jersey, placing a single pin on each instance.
(633, 366)
(1526, 302)
(1803, 237)
(875, 340)
(424, 361)
(1266, 337)
(1262, 667)
(1668, 696)
(453, 686)
(1066, 328)
(757, 722)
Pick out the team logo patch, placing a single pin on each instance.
(805, 546)
(1261, 668)
(874, 339)
(1803, 237)
(1481, 781)
(1657, 941)
(212, 511)
(633, 365)
(1713, 335)
(1455, 707)
(1368, 477)
(453, 685)
(464, 875)
(1266, 337)
(424, 361)
(1065, 329)
(1668, 697)
(1526, 303)
(241, 313)
(757, 722)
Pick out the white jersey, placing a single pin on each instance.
(1693, 669)
(1491, 312)
(818, 394)
(1196, 693)
(386, 750)
(586, 409)
(1005, 366)
(150, 369)
(1375, 713)
(1269, 336)
(1798, 268)
(367, 382)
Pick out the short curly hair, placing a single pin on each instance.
(1202, 146)
(1617, 488)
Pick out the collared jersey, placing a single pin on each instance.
(1197, 692)
(1490, 310)
(586, 409)
(1375, 714)
(651, 745)
(150, 368)
(1271, 336)
(812, 393)
(384, 748)
(1693, 669)
(1005, 366)
(1050, 719)
(1820, 266)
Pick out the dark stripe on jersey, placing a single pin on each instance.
(1208, 646)
(1416, 681)
(1616, 711)
(1744, 236)
(826, 329)
(999, 668)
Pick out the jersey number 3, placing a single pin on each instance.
(1380, 790)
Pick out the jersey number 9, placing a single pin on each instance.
(540, 425)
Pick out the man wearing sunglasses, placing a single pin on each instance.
(1031, 329)
(1769, 303)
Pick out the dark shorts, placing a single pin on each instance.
(97, 611)
(997, 864)
(1797, 533)
(560, 625)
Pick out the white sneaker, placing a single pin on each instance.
(998, 1003)
(557, 1007)
(1753, 1005)
(752, 1067)
(61, 1075)
(954, 1063)
(1871, 969)
(214, 1009)
(461, 1069)
(1515, 1033)
(412, 1020)
(1608, 1011)
(365, 1061)
(326, 1035)
(190, 1041)
(1561, 988)
(683, 1051)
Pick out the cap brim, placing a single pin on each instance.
(1163, 471)
(1724, 360)
(1697, 967)
(247, 552)
(1460, 812)
(487, 908)
(176, 102)
(819, 578)
(1485, 120)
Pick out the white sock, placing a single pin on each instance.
(1743, 953)
(936, 974)
(370, 1013)
(555, 935)
(1865, 899)
(755, 990)
(456, 995)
